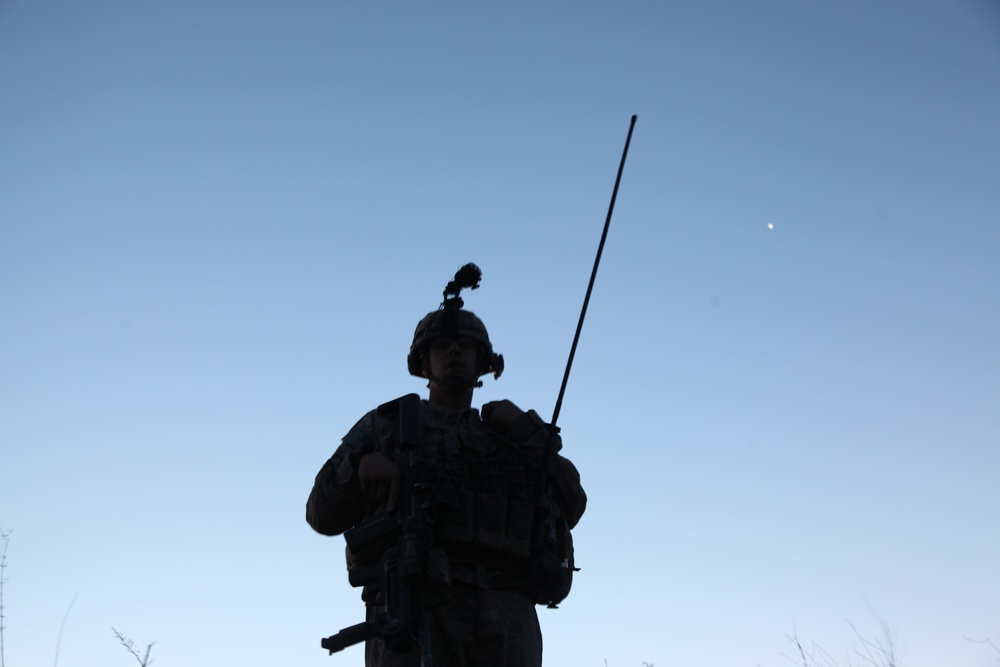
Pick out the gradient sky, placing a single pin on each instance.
(220, 222)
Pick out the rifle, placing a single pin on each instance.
(399, 582)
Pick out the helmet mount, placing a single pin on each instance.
(467, 276)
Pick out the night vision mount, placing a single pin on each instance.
(467, 276)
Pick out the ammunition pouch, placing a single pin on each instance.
(551, 565)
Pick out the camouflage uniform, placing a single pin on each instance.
(484, 522)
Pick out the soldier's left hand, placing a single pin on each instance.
(500, 415)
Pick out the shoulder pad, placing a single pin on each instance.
(390, 410)
(359, 438)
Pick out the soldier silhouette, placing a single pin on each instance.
(500, 499)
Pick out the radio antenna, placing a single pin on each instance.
(593, 276)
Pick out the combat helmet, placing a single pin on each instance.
(452, 322)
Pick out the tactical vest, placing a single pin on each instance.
(485, 497)
(489, 512)
(486, 508)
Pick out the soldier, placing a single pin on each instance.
(500, 525)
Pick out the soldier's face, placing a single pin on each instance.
(453, 361)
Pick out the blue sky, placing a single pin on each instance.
(220, 222)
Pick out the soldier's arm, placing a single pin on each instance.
(532, 434)
(569, 493)
(338, 500)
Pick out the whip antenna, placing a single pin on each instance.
(593, 275)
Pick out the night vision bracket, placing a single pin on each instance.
(466, 277)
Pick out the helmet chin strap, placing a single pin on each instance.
(473, 383)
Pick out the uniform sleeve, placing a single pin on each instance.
(532, 434)
(336, 503)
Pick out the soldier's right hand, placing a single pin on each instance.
(381, 479)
